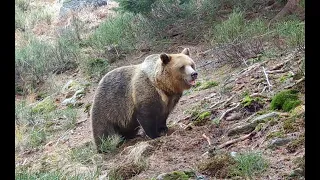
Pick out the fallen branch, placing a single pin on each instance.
(264, 88)
(214, 105)
(265, 73)
(207, 138)
(257, 95)
(297, 82)
(228, 143)
(228, 100)
(227, 111)
(276, 71)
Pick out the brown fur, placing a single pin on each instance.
(139, 95)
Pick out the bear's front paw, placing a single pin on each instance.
(163, 130)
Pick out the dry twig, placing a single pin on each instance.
(297, 82)
(228, 100)
(265, 73)
(77, 123)
(228, 143)
(214, 105)
(207, 138)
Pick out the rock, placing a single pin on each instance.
(234, 116)
(242, 129)
(70, 101)
(249, 127)
(78, 90)
(233, 154)
(103, 177)
(279, 142)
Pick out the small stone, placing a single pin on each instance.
(233, 154)
(69, 101)
(263, 117)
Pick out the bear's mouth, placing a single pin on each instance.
(191, 82)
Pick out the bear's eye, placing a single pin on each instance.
(182, 67)
(193, 66)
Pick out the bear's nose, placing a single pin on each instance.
(194, 75)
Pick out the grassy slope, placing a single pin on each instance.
(55, 141)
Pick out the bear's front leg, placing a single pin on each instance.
(152, 120)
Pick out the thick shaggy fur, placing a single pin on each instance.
(140, 95)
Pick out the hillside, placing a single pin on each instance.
(244, 119)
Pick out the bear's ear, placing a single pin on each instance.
(165, 58)
(186, 51)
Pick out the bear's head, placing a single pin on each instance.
(178, 72)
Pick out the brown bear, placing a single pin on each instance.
(141, 95)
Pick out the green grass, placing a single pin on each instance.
(275, 134)
(23, 5)
(110, 143)
(95, 68)
(292, 31)
(237, 29)
(55, 175)
(82, 154)
(249, 164)
(36, 61)
(117, 31)
(34, 128)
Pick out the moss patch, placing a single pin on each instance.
(44, 106)
(178, 175)
(290, 125)
(285, 100)
(252, 104)
(274, 134)
(208, 84)
(202, 118)
(259, 127)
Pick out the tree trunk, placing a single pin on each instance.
(291, 7)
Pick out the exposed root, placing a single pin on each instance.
(229, 110)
